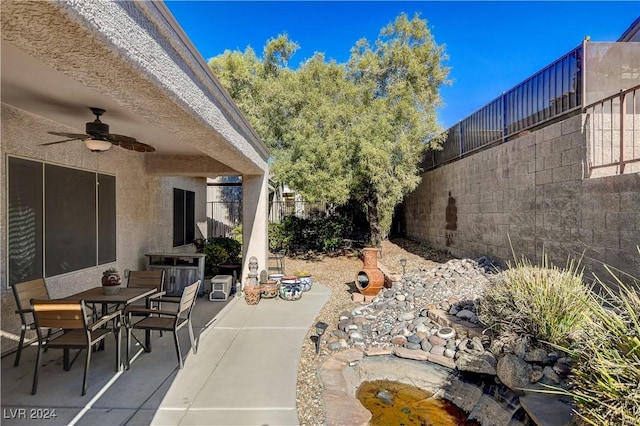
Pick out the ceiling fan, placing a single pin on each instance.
(98, 137)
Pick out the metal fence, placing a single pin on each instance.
(224, 216)
(550, 93)
(613, 134)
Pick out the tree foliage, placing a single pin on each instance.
(340, 132)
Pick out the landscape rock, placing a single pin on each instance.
(514, 372)
(484, 363)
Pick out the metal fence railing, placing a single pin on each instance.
(224, 216)
(550, 93)
(302, 209)
(613, 132)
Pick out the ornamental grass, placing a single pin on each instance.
(545, 303)
(606, 371)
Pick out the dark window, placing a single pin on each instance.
(24, 220)
(184, 217)
(106, 219)
(58, 222)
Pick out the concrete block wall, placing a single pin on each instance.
(529, 196)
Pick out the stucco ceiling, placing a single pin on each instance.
(32, 86)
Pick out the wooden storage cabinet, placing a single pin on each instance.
(181, 270)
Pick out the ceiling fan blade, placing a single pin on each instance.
(143, 147)
(125, 144)
(62, 141)
(112, 137)
(71, 135)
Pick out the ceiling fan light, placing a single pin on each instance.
(97, 145)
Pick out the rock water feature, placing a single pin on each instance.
(393, 403)
(431, 315)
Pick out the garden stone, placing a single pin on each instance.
(413, 338)
(514, 372)
(553, 377)
(406, 316)
(535, 355)
(465, 314)
(425, 345)
(449, 353)
(385, 396)
(484, 363)
(437, 341)
(412, 346)
(437, 350)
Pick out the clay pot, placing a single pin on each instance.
(370, 257)
(252, 294)
(369, 281)
(269, 290)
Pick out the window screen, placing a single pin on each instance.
(57, 221)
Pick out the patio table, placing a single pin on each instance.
(124, 297)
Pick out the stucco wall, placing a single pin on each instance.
(144, 204)
(533, 190)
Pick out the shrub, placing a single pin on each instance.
(606, 371)
(545, 303)
(318, 233)
(220, 250)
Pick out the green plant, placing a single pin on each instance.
(302, 273)
(110, 277)
(544, 302)
(237, 233)
(220, 250)
(319, 233)
(606, 371)
(109, 271)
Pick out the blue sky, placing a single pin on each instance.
(492, 46)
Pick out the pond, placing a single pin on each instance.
(393, 403)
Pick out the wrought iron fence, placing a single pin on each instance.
(224, 216)
(613, 133)
(550, 93)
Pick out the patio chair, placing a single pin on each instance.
(164, 320)
(71, 317)
(23, 293)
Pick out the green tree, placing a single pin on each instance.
(340, 132)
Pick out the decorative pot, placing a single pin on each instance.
(276, 277)
(370, 280)
(290, 292)
(269, 290)
(305, 282)
(110, 290)
(370, 257)
(252, 294)
(111, 284)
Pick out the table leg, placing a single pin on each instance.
(66, 362)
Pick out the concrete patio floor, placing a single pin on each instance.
(244, 373)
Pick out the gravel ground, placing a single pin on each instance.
(337, 273)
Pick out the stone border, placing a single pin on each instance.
(342, 374)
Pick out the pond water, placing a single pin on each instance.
(395, 404)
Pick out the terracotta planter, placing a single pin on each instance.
(370, 280)
(370, 257)
(252, 294)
